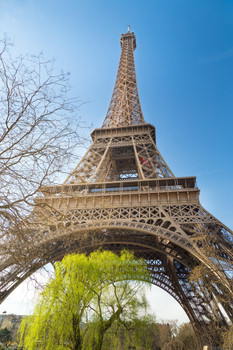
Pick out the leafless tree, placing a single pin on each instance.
(38, 131)
(218, 249)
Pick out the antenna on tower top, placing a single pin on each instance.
(128, 29)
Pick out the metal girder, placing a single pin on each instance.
(122, 194)
(125, 107)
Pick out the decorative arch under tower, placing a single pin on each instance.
(122, 194)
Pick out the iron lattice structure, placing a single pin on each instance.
(122, 194)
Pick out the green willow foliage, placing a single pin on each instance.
(87, 295)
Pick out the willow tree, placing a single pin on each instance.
(87, 295)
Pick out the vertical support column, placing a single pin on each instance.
(101, 162)
(140, 171)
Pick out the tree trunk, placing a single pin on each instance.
(104, 326)
(77, 338)
(100, 338)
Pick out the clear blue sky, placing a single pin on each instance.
(184, 65)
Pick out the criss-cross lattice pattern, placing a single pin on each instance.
(121, 158)
(125, 108)
(122, 195)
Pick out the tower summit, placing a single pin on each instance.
(122, 195)
(125, 108)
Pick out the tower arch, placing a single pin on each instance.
(122, 194)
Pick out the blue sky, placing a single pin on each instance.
(184, 65)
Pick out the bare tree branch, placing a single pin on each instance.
(38, 134)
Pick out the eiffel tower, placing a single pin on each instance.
(123, 195)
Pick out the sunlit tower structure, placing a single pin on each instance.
(123, 195)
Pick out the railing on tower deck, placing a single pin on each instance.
(159, 184)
